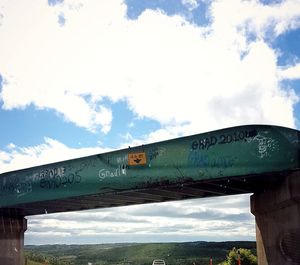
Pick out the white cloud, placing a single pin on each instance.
(292, 72)
(204, 219)
(48, 152)
(164, 68)
(256, 17)
(191, 4)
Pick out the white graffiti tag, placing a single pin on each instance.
(266, 145)
(111, 173)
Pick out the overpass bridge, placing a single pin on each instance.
(258, 159)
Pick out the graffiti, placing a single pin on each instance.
(122, 159)
(153, 153)
(57, 171)
(88, 163)
(204, 143)
(112, 173)
(14, 184)
(265, 145)
(57, 177)
(203, 160)
(208, 142)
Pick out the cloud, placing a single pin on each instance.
(54, 2)
(190, 4)
(218, 75)
(232, 208)
(18, 157)
(175, 221)
(255, 17)
(1, 82)
(290, 73)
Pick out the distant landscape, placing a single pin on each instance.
(133, 253)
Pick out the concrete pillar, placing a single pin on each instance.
(12, 228)
(277, 216)
(260, 249)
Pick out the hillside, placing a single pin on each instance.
(137, 254)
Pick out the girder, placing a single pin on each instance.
(236, 160)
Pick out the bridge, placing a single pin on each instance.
(258, 159)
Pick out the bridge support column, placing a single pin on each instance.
(277, 216)
(12, 230)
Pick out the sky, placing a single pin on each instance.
(84, 77)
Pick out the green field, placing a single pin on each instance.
(135, 254)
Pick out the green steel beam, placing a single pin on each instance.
(208, 164)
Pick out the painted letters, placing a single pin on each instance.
(204, 160)
(112, 173)
(208, 142)
(56, 177)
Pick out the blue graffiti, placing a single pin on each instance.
(203, 160)
(155, 152)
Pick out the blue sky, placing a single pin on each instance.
(83, 77)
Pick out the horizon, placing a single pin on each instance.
(135, 243)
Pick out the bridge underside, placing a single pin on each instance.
(155, 192)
